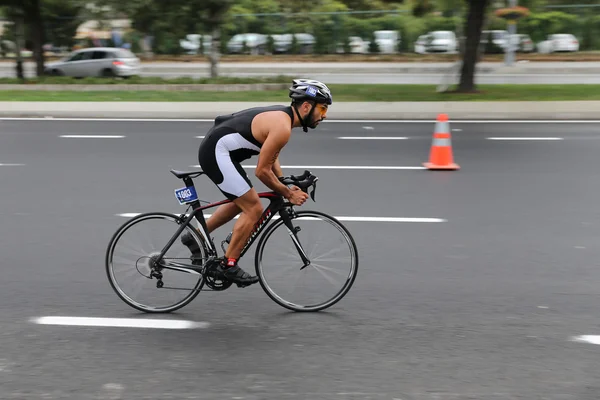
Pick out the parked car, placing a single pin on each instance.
(494, 41)
(524, 43)
(282, 43)
(97, 61)
(256, 43)
(559, 42)
(441, 41)
(357, 45)
(421, 43)
(387, 41)
(191, 43)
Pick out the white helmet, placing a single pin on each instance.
(309, 89)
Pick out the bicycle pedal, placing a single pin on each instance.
(243, 285)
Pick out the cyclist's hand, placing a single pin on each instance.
(297, 197)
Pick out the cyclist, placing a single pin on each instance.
(262, 131)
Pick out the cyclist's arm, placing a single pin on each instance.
(277, 168)
(269, 153)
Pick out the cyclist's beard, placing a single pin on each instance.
(312, 124)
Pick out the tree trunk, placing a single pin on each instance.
(473, 28)
(38, 36)
(19, 41)
(214, 52)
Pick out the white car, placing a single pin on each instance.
(441, 41)
(387, 41)
(564, 42)
(357, 45)
(97, 61)
(191, 43)
(256, 43)
(421, 43)
(282, 43)
(559, 42)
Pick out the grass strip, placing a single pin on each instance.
(341, 93)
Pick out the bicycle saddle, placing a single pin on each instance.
(184, 174)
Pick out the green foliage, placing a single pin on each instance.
(590, 35)
(61, 20)
(169, 22)
(540, 25)
(422, 8)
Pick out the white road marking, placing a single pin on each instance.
(11, 165)
(348, 121)
(199, 137)
(113, 387)
(456, 130)
(92, 136)
(593, 339)
(465, 121)
(340, 218)
(50, 119)
(389, 219)
(366, 167)
(369, 128)
(372, 137)
(525, 138)
(121, 322)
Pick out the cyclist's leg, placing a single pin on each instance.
(233, 182)
(252, 210)
(207, 158)
(222, 215)
(238, 188)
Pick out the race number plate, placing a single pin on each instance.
(186, 195)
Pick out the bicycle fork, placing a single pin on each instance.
(293, 231)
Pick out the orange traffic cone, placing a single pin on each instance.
(440, 155)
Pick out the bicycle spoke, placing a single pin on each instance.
(335, 271)
(320, 240)
(296, 279)
(325, 254)
(130, 250)
(280, 271)
(327, 277)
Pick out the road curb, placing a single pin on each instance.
(525, 110)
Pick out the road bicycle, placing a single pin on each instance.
(182, 259)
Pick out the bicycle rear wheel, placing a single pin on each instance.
(130, 255)
(322, 283)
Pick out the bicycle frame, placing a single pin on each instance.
(276, 206)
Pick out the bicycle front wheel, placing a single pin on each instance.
(327, 277)
(129, 261)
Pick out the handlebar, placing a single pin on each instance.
(304, 182)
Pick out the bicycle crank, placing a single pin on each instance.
(213, 279)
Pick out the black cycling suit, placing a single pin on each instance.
(227, 144)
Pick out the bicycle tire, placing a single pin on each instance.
(111, 278)
(276, 298)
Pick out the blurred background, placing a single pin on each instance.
(192, 30)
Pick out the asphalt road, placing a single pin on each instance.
(411, 78)
(483, 305)
(383, 73)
